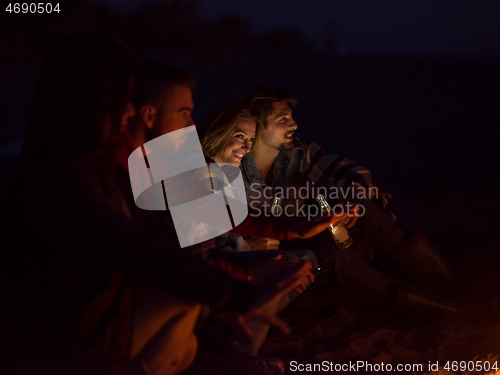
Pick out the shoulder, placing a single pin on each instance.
(307, 148)
(250, 171)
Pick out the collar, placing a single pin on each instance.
(250, 171)
(284, 157)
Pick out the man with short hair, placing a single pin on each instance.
(163, 101)
(282, 163)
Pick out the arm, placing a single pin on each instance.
(157, 259)
(284, 228)
(335, 171)
(87, 225)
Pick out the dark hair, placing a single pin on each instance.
(83, 88)
(260, 100)
(154, 79)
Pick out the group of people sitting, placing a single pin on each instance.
(89, 278)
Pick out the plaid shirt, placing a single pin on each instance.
(328, 170)
(307, 166)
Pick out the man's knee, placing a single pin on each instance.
(182, 360)
(164, 342)
(377, 227)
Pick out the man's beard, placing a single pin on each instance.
(286, 146)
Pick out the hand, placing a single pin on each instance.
(256, 243)
(386, 195)
(240, 321)
(310, 228)
(349, 221)
(380, 192)
(273, 279)
(383, 201)
(307, 279)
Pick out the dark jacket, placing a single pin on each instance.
(71, 253)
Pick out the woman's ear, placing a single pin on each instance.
(148, 115)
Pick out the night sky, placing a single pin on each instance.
(423, 28)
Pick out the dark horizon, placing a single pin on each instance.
(458, 29)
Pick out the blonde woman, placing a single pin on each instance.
(230, 134)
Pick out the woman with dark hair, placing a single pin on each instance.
(77, 271)
(81, 96)
(56, 265)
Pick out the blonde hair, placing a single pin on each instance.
(221, 129)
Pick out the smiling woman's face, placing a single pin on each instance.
(239, 144)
